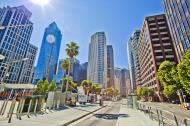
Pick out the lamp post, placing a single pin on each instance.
(10, 59)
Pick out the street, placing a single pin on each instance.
(106, 117)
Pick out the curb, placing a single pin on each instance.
(74, 120)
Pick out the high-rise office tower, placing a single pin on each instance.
(117, 79)
(18, 65)
(97, 59)
(110, 66)
(75, 69)
(134, 59)
(83, 72)
(125, 86)
(49, 53)
(155, 46)
(178, 17)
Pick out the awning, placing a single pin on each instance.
(17, 86)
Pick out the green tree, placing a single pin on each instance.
(93, 88)
(71, 85)
(139, 91)
(86, 84)
(115, 92)
(52, 86)
(184, 71)
(65, 64)
(168, 76)
(42, 87)
(109, 92)
(169, 90)
(72, 50)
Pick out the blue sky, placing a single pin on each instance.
(79, 19)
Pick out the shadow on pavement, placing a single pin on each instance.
(110, 116)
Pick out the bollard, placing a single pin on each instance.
(12, 109)
(21, 108)
(4, 108)
(162, 118)
(28, 113)
(35, 107)
(158, 117)
(18, 108)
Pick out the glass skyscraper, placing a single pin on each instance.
(134, 59)
(49, 53)
(110, 67)
(15, 46)
(97, 59)
(178, 17)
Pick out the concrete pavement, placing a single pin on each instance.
(116, 114)
(54, 118)
(105, 117)
(174, 108)
(133, 117)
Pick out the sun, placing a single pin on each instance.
(41, 2)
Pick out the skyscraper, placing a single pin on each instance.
(178, 17)
(125, 86)
(75, 69)
(49, 53)
(134, 59)
(117, 79)
(83, 72)
(110, 66)
(155, 46)
(97, 59)
(15, 46)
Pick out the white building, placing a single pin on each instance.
(97, 59)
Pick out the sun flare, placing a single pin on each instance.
(41, 2)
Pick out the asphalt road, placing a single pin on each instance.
(106, 117)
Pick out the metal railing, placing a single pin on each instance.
(164, 117)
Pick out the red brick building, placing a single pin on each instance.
(155, 46)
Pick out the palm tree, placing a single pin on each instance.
(72, 50)
(86, 85)
(65, 64)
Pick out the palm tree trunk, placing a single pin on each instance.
(68, 74)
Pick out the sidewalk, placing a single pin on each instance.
(133, 118)
(54, 118)
(174, 108)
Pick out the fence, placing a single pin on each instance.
(164, 118)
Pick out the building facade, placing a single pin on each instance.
(155, 46)
(75, 69)
(59, 74)
(97, 59)
(18, 65)
(83, 72)
(110, 67)
(49, 53)
(117, 79)
(134, 59)
(125, 86)
(178, 17)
